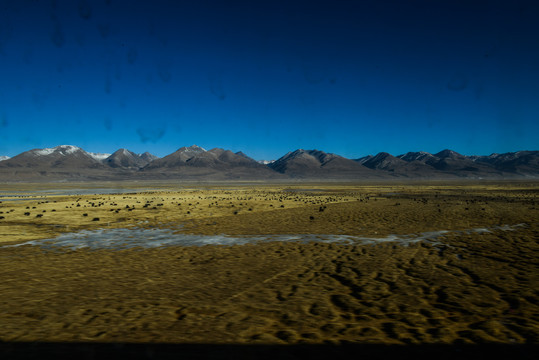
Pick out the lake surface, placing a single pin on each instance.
(31, 195)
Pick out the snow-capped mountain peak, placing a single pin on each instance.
(193, 149)
(99, 156)
(62, 149)
(2, 158)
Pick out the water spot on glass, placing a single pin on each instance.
(164, 73)
(80, 39)
(479, 90)
(458, 82)
(150, 134)
(313, 72)
(38, 99)
(5, 35)
(108, 85)
(151, 29)
(85, 10)
(107, 123)
(132, 55)
(118, 73)
(216, 86)
(57, 37)
(3, 121)
(104, 30)
(27, 56)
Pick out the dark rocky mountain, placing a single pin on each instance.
(453, 163)
(64, 162)
(179, 158)
(318, 164)
(148, 157)
(71, 163)
(399, 167)
(363, 159)
(384, 161)
(450, 164)
(421, 156)
(59, 157)
(520, 162)
(241, 153)
(216, 163)
(126, 159)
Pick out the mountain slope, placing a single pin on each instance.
(215, 163)
(63, 156)
(99, 156)
(454, 163)
(520, 162)
(420, 156)
(64, 162)
(384, 161)
(67, 162)
(318, 164)
(399, 167)
(148, 157)
(177, 158)
(124, 158)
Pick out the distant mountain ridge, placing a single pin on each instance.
(124, 158)
(449, 162)
(315, 163)
(194, 161)
(68, 162)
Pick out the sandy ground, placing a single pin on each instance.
(475, 288)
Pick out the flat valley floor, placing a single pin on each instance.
(469, 287)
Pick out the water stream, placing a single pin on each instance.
(126, 238)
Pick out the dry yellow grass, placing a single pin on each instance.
(269, 209)
(475, 288)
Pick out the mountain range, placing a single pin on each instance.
(71, 163)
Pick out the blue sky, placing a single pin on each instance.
(267, 77)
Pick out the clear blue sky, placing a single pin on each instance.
(267, 77)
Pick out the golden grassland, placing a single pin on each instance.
(265, 209)
(474, 288)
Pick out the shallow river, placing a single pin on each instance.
(149, 238)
